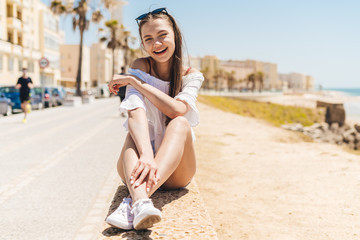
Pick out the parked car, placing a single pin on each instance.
(12, 93)
(47, 99)
(5, 105)
(59, 94)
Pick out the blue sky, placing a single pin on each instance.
(320, 38)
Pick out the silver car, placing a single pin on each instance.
(5, 105)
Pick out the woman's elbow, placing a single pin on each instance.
(177, 113)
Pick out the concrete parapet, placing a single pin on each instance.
(72, 101)
(184, 216)
(88, 99)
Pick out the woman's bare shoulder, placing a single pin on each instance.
(141, 64)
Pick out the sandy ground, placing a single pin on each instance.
(262, 182)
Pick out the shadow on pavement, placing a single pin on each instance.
(160, 198)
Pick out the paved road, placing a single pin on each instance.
(58, 170)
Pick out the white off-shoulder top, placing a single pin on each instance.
(191, 84)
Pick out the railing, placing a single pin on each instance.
(13, 22)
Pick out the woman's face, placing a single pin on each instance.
(158, 39)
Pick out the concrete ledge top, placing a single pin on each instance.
(184, 216)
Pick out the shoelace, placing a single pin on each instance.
(139, 204)
(123, 209)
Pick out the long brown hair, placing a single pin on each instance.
(176, 68)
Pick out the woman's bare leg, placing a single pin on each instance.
(127, 161)
(175, 159)
(176, 156)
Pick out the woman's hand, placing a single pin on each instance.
(119, 81)
(145, 170)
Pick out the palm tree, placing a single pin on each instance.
(219, 74)
(119, 38)
(251, 78)
(260, 79)
(129, 54)
(205, 72)
(79, 11)
(230, 79)
(113, 39)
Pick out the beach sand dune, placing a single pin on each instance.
(263, 182)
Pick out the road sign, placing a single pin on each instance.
(44, 62)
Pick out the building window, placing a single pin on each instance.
(20, 65)
(10, 37)
(30, 66)
(11, 64)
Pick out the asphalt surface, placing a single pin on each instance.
(54, 168)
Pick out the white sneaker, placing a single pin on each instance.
(145, 214)
(122, 217)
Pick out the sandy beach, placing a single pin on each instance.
(263, 182)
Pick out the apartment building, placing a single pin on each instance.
(240, 68)
(271, 81)
(297, 81)
(101, 64)
(50, 38)
(69, 62)
(19, 45)
(310, 83)
(28, 32)
(210, 66)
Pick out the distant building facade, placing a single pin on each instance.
(69, 65)
(271, 81)
(297, 82)
(50, 38)
(19, 41)
(29, 31)
(101, 64)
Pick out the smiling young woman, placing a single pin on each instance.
(161, 105)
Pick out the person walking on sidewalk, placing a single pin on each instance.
(122, 91)
(161, 105)
(24, 83)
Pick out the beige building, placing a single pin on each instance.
(210, 67)
(29, 31)
(271, 81)
(69, 66)
(194, 62)
(101, 64)
(310, 83)
(239, 70)
(50, 38)
(19, 40)
(297, 81)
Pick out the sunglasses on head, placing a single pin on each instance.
(156, 11)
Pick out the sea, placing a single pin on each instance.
(352, 108)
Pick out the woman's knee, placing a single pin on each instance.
(180, 123)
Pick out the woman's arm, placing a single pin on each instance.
(138, 129)
(166, 104)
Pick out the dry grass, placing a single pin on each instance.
(275, 114)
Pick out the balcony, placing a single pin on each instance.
(5, 46)
(26, 28)
(14, 23)
(26, 4)
(14, 1)
(17, 50)
(26, 52)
